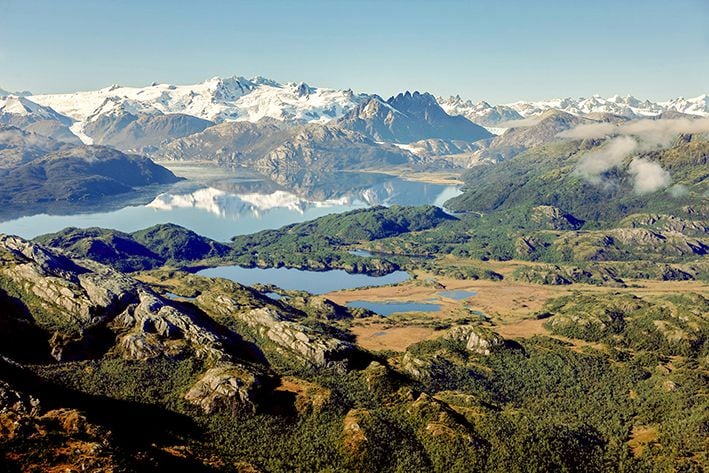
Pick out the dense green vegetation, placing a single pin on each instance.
(324, 243)
(538, 406)
(547, 175)
(619, 382)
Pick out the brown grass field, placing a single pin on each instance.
(511, 306)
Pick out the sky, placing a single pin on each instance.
(500, 51)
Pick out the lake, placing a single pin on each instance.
(388, 308)
(457, 294)
(219, 203)
(315, 282)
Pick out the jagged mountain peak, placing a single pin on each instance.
(419, 98)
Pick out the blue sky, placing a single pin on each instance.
(499, 51)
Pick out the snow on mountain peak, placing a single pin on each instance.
(21, 106)
(217, 99)
(627, 106)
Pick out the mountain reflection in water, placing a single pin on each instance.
(220, 206)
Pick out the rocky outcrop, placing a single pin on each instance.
(666, 223)
(312, 347)
(281, 331)
(353, 432)
(416, 367)
(477, 340)
(436, 419)
(226, 387)
(555, 275)
(91, 308)
(630, 243)
(152, 328)
(553, 218)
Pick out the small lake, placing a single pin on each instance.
(176, 297)
(361, 253)
(388, 308)
(315, 282)
(457, 294)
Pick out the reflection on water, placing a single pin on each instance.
(388, 308)
(315, 282)
(221, 205)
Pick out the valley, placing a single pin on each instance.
(193, 275)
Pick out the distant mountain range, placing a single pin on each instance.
(629, 107)
(5, 93)
(240, 99)
(282, 129)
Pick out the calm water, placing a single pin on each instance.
(273, 295)
(315, 282)
(176, 297)
(361, 253)
(388, 308)
(219, 205)
(457, 294)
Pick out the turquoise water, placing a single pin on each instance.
(315, 282)
(388, 308)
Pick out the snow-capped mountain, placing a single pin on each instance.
(32, 117)
(481, 113)
(409, 117)
(216, 99)
(250, 100)
(628, 106)
(14, 108)
(5, 93)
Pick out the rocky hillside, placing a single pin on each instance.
(77, 173)
(282, 152)
(409, 117)
(218, 372)
(141, 132)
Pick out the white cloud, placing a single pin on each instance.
(628, 138)
(678, 190)
(596, 162)
(648, 176)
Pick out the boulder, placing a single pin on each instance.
(226, 387)
(477, 339)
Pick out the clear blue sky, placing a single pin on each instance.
(500, 51)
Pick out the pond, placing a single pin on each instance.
(457, 294)
(361, 253)
(315, 282)
(390, 307)
(177, 297)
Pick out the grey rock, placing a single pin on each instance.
(226, 387)
(477, 339)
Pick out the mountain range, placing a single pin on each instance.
(629, 107)
(240, 99)
(283, 130)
